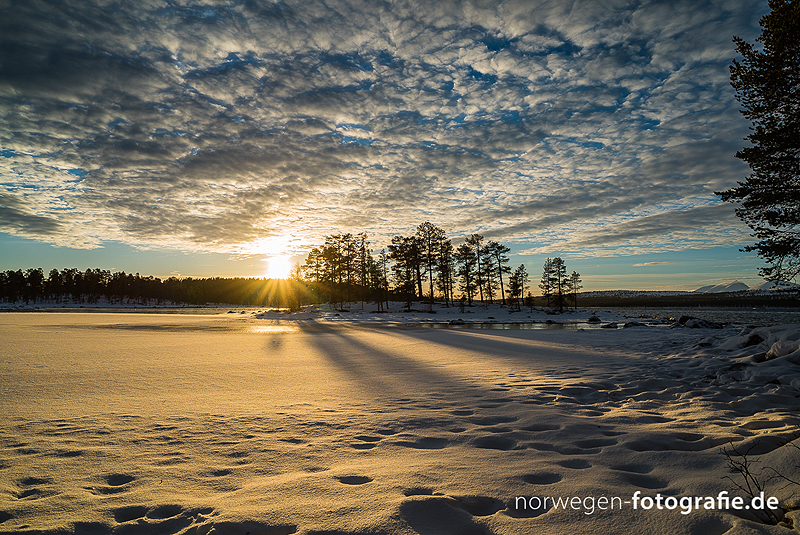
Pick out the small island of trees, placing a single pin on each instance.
(423, 267)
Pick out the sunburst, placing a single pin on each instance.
(277, 252)
(279, 267)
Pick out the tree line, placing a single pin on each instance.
(423, 266)
(92, 285)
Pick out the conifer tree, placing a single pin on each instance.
(498, 252)
(560, 282)
(546, 282)
(430, 238)
(466, 261)
(475, 242)
(574, 286)
(404, 251)
(446, 269)
(517, 284)
(767, 83)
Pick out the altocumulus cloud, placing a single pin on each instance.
(209, 126)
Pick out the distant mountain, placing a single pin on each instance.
(725, 287)
(775, 285)
(703, 289)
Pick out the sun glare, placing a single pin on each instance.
(279, 267)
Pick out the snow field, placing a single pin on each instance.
(126, 423)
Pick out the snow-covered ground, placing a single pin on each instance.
(374, 423)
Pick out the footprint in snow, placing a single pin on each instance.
(425, 443)
(114, 484)
(542, 478)
(418, 491)
(541, 427)
(496, 443)
(30, 488)
(595, 443)
(354, 480)
(117, 480)
(362, 445)
(367, 438)
(576, 464)
(492, 420)
(130, 512)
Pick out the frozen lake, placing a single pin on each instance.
(148, 423)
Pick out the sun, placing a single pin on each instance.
(276, 251)
(279, 267)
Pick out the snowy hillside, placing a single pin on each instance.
(725, 287)
(775, 285)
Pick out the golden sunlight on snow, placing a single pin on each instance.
(307, 423)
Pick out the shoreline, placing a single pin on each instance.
(489, 314)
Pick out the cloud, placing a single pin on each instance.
(652, 264)
(207, 126)
(673, 229)
(13, 215)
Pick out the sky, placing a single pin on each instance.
(204, 138)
